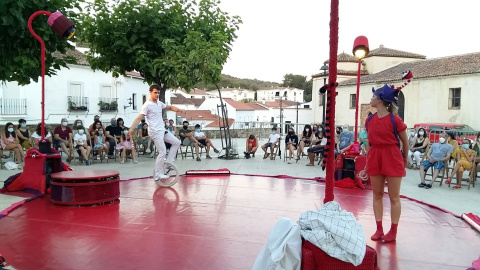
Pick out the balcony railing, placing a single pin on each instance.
(77, 103)
(13, 106)
(107, 104)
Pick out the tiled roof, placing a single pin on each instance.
(276, 103)
(194, 91)
(439, 67)
(180, 99)
(133, 74)
(206, 115)
(344, 57)
(231, 89)
(343, 72)
(196, 101)
(257, 106)
(216, 123)
(382, 51)
(78, 55)
(239, 106)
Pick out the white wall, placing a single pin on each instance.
(293, 94)
(211, 105)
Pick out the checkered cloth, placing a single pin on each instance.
(335, 231)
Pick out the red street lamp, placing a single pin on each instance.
(64, 28)
(360, 51)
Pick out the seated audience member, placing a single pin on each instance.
(126, 144)
(100, 143)
(63, 135)
(476, 148)
(187, 138)
(80, 143)
(37, 135)
(23, 134)
(412, 137)
(465, 157)
(144, 138)
(318, 147)
(171, 127)
(363, 140)
(112, 135)
(273, 141)
(453, 141)
(11, 143)
(201, 138)
(418, 148)
(346, 138)
(305, 140)
(438, 154)
(251, 146)
(291, 143)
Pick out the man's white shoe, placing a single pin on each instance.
(148, 151)
(161, 176)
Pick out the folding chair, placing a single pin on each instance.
(442, 174)
(184, 149)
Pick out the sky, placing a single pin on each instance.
(278, 37)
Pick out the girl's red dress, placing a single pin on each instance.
(384, 156)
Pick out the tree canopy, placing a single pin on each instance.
(174, 43)
(299, 82)
(19, 50)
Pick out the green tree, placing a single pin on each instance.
(296, 81)
(307, 95)
(19, 50)
(174, 43)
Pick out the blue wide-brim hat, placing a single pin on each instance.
(386, 93)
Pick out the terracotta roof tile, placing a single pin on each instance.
(344, 57)
(133, 74)
(276, 103)
(206, 115)
(239, 106)
(438, 67)
(180, 99)
(216, 123)
(382, 51)
(195, 91)
(196, 101)
(257, 106)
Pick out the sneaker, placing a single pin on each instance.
(123, 161)
(216, 151)
(289, 161)
(208, 157)
(427, 186)
(161, 176)
(198, 159)
(98, 157)
(135, 161)
(148, 151)
(422, 185)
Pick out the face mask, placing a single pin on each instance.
(114, 123)
(100, 132)
(80, 131)
(320, 129)
(79, 124)
(421, 133)
(125, 132)
(307, 130)
(198, 130)
(315, 129)
(442, 140)
(64, 124)
(465, 146)
(10, 130)
(24, 125)
(412, 133)
(338, 132)
(185, 127)
(290, 133)
(345, 130)
(273, 132)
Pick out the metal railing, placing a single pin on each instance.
(13, 106)
(77, 103)
(108, 104)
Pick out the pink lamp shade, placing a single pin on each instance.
(360, 44)
(61, 25)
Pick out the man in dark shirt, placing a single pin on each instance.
(63, 138)
(112, 131)
(186, 135)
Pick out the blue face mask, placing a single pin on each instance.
(114, 123)
(24, 125)
(320, 129)
(10, 129)
(345, 130)
(465, 146)
(199, 130)
(273, 132)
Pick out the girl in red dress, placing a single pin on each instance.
(385, 160)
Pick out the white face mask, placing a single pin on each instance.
(442, 140)
(421, 133)
(412, 133)
(307, 130)
(80, 131)
(64, 123)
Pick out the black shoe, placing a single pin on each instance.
(427, 186)
(216, 151)
(247, 155)
(422, 185)
(208, 157)
(198, 159)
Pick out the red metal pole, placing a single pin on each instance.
(332, 77)
(42, 60)
(356, 99)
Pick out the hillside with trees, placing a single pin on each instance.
(228, 81)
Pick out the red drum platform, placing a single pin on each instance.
(84, 187)
(215, 222)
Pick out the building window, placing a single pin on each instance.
(277, 94)
(353, 100)
(134, 101)
(454, 99)
(320, 99)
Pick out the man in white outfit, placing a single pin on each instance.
(152, 111)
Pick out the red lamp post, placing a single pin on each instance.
(360, 51)
(64, 28)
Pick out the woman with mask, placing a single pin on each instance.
(417, 150)
(465, 157)
(305, 140)
(476, 148)
(37, 135)
(80, 143)
(291, 143)
(23, 134)
(100, 143)
(126, 144)
(10, 142)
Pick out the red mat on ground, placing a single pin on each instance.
(216, 222)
